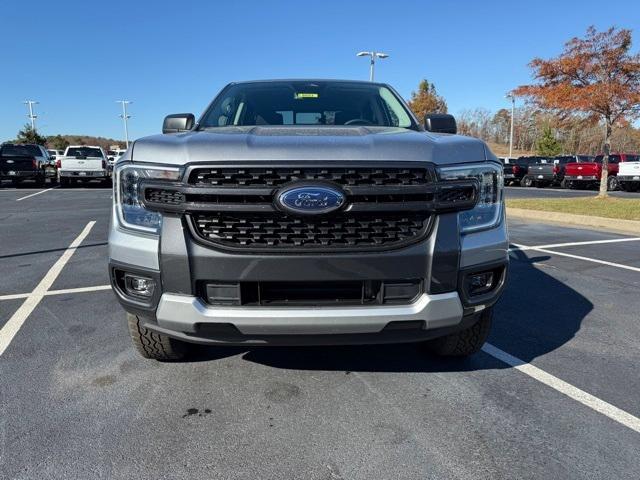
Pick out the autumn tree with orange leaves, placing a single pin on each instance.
(596, 77)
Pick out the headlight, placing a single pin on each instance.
(488, 211)
(126, 195)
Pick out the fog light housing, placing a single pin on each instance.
(480, 283)
(139, 286)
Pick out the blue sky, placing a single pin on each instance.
(78, 57)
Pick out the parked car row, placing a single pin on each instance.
(574, 171)
(30, 162)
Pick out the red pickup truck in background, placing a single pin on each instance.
(581, 175)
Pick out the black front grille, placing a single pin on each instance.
(164, 196)
(333, 231)
(359, 292)
(274, 177)
(387, 205)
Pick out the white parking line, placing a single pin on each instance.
(575, 244)
(97, 288)
(13, 325)
(577, 257)
(34, 194)
(600, 406)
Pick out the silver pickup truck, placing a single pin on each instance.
(301, 212)
(81, 163)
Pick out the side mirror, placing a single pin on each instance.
(440, 123)
(178, 122)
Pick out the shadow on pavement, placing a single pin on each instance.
(536, 315)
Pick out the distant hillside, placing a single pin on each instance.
(62, 141)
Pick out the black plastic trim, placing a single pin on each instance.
(137, 306)
(488, 299)
(445, 255)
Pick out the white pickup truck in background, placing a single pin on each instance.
(83, 163)
(629, 176)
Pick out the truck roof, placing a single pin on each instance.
(337, 80)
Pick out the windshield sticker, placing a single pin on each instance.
(300, 96)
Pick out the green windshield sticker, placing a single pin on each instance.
(299, 96)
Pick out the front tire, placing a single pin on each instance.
(612, 184)
(465, 342)
(154, 345)
(527, 182)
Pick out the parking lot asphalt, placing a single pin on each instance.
(77, 402)
(555, 192)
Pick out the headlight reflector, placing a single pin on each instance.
(131, 213)
(488, 211)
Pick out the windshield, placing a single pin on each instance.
(84, 152)
(307, 103)
(21, 151)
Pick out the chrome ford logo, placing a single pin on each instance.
(310, 199)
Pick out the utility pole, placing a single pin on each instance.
(513, 109)
(124, 116)
(31, 116)
(372, 63)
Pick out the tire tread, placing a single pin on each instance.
(154, 345)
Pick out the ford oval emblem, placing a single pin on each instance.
(310, 199)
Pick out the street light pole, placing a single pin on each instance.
(124, 116)
(513, 108)
(31, 116)
(372, 63)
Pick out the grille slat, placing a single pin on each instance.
(275, 177)
(336, 231)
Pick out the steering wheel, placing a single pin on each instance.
(358, 121)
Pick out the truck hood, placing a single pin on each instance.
(275, 143)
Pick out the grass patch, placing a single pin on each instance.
(623, 208)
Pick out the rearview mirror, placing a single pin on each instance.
(178, 122)
(440, 123)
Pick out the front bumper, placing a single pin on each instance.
(581, 178)
(629, 178)
(84, 173)
(178, 263)
(23, 174)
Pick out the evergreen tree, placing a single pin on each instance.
(29, 134)
(547, 145)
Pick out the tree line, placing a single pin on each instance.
(59, 142)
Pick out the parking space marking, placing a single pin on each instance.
(34, 194)
(13, 325)
(575, 244)
(97, 288)
(576, 257)
(600, 406)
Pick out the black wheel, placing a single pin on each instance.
(526, 182)
(612, 184)
(563, 183)
(154, 345)
(465, 342)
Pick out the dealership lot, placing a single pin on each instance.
(77, 402)
(555, 192)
